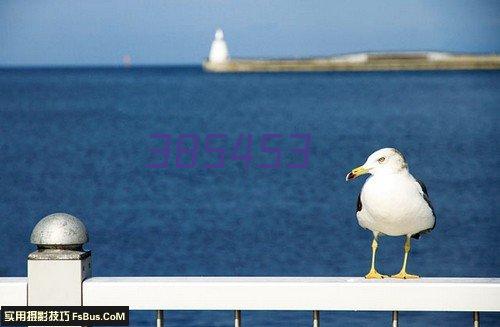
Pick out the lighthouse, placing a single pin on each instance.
(218, 50)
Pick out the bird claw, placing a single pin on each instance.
(404, 275)
(373, 274)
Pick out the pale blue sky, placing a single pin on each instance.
(68, 32)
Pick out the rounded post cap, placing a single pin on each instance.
(59, 230)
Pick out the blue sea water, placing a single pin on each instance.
(79, 141)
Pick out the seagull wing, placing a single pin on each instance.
(361, 214)
(425, 195)
(359, 205)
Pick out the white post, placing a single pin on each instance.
(58, 267)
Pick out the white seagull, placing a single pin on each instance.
(392, 202)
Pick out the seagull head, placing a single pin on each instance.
(381, 162)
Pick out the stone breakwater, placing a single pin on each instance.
(360, 62)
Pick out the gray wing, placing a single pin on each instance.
(425, 195)
(359, 205)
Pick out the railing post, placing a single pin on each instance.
(58, 267)
(237, 318)
(475, 319)
(159, 318)
(395, 320)
(315, 318)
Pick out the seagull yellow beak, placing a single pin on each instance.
(358, 171)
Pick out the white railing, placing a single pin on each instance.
(13, 291)
(59, 273)
(294, 293)
(279, 293)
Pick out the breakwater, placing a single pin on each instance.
(360, 62)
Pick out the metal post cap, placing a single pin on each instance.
(61, 231)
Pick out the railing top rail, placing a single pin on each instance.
(279, 293)
(492, 281)
(294, 293)
(13, 290)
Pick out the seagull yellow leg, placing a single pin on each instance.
(373, 273)
(403, 274)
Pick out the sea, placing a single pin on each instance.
(179, 172)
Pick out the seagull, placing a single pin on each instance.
(392, 202)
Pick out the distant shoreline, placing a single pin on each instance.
(415, 61)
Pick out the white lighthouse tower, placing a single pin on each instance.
(218, 50)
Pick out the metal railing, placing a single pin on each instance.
(279, 293)
(59, 274)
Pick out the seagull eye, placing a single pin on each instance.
(381, 159)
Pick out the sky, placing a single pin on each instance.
(69, 32)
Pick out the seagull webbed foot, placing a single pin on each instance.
(404, 275)
(373, 274)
